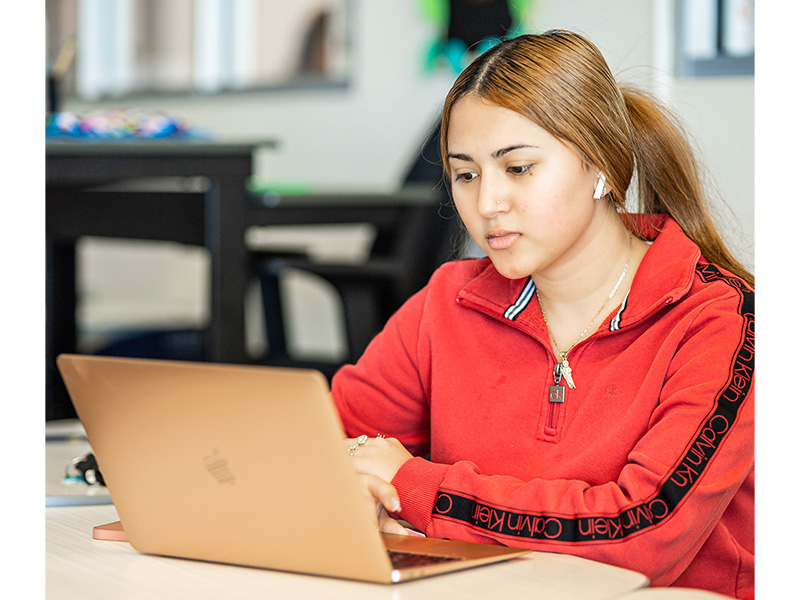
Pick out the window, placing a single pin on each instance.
(715, 37)
(143, 46)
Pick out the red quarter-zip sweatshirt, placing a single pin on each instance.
(647, 464)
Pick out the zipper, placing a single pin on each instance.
(555, 398)
(552, 416)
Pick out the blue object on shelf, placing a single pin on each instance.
(119, 124)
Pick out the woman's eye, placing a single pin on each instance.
(466, 177)
(519, 170)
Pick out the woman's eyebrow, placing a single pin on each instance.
(506, 150)
(457, 156)
(495, 154)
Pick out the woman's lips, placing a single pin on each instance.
(502, 240)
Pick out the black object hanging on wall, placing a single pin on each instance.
(473, 21)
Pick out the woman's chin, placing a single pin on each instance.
(508, 269)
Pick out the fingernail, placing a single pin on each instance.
(394, 505)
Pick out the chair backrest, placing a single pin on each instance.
(416, 230)
(427, 165)
(434, 234)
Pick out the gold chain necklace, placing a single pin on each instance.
(563, 367)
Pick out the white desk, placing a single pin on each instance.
(80, 567)
(77, 566)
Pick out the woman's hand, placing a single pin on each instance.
(377, 460)
(385, 497)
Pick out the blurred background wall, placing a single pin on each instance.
(364, 130)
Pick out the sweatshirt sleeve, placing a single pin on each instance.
(386, 392)
(678, 481)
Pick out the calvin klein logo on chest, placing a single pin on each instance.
(556, 394)
(217, 466)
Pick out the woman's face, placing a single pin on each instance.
(525, 197)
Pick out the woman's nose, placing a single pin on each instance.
(492, 199)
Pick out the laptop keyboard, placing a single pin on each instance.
(404, 560)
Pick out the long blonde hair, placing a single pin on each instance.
(561, 82)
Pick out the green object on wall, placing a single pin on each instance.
(436, 11)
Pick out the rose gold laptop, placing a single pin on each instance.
(242, 465)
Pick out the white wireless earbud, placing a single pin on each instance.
(600, 188)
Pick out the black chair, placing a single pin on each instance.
(417, 229)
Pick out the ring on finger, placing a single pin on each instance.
(360, 441)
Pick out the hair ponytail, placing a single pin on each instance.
(668, 179)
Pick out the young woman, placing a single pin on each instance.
(588, 387)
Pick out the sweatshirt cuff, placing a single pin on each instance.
(417, 482)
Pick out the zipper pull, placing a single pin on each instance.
(557, 390)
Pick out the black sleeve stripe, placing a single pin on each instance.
(646, 514)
